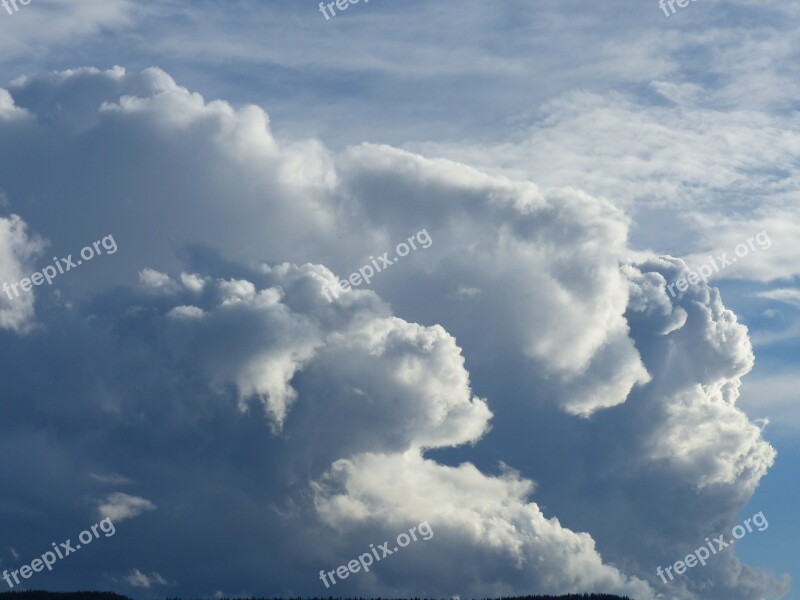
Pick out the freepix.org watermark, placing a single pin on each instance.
(367, 272)
(59, 267)
(703, 553)
(340, 4)
(705, 271)
(663, 4)
(365, 560)
(5, 4)
(62, 550)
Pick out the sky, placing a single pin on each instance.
(565, 357)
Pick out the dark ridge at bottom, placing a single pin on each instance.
(42, 595)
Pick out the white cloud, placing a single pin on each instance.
(18, 249)
(186, 312)
(152, 279)
(786, 295)
(484, 522)
(138, 579)
(120, 507)
(7, 108)
(192, 282)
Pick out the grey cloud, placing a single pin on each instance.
(224, 383)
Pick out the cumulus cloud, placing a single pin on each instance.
(186, 312)
(485, 522)
(152, 279)
(205, 363)
(120, 507)
(7, 109)
(18, 249)
(404, 389)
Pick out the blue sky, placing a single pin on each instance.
(526, 384)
